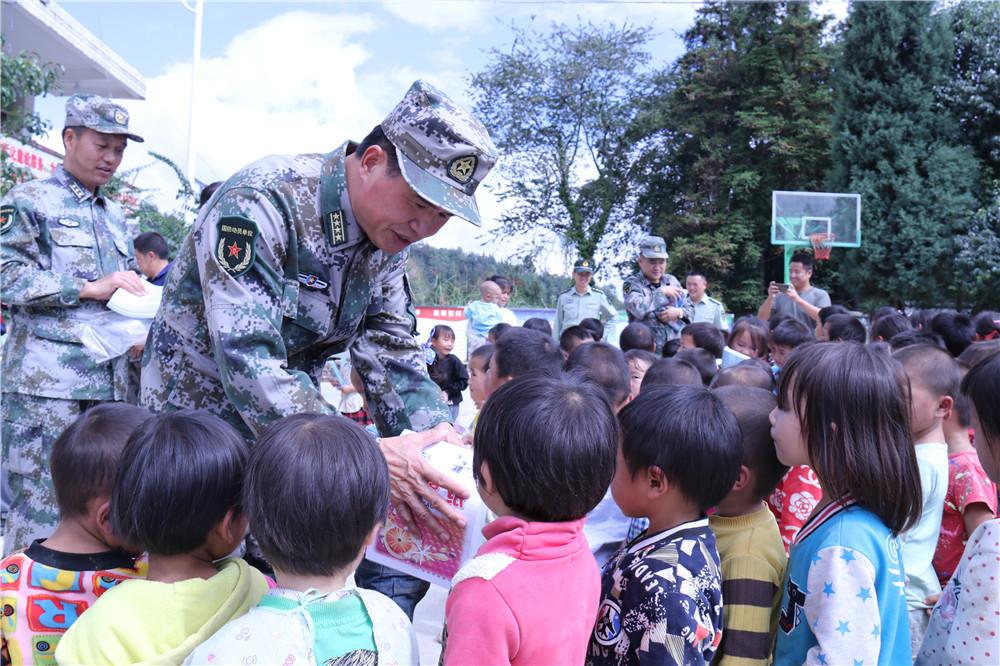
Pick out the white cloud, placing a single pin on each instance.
(442, 14)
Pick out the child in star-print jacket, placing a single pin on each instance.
(842, 410)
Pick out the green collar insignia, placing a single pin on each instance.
(333, 182)
(333, 225)
(235, 250)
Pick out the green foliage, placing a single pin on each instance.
(171, 225)
(897, 146)
(972, 92)
(979, 258)
(559, 106)
(744, 111)
(451, 277)
(22, 77)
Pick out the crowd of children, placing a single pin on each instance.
(774, 494)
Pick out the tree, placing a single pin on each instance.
(22, 78)
(173, 225)
(559, 107)
(451, 277)
(972, 92)
(744, 111)
(897, 146)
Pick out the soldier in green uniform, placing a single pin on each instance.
(653, 296)
(700, 307)
(297, 258)
(64, 250)
(582, 301)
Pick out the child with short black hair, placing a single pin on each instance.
(963, 624)
(594, 327)
(639, 362)
(956, 329)
(785, 335)
(572, 337)
(479, 363)
(702, 335)
(844, 328)
(538, 324)
(518, 352)
(750, 547)
(496, 332)
(751, 372)
(447, 371)
(701, 359)
(670, 372)
(637, 336)
(177, 495)
(842, 411)
(933, 384)
(83, 558)
(886, 328)
(543, 457)
(661, 594)
(603, 365)
(316, 493)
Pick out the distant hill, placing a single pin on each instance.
(441, 276)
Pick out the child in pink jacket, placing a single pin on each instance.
(544, 456)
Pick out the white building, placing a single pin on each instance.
(89, 65)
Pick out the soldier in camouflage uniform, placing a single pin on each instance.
(298, 258)
(64, 249)
(653, 296)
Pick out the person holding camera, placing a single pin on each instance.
(799, 299)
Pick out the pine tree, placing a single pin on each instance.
(743, 112)
(897, 146)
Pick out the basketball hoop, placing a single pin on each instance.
(821, 245)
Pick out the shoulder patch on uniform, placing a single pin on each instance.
(7, 214)
(626, 287)
(236, 249)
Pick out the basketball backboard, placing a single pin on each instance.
(795, 216)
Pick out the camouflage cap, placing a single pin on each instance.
(99, 114)
(653, 247)
(444, 152)
(583, 266)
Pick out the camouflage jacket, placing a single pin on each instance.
(274, 278)
(643, 301)
(54, 237)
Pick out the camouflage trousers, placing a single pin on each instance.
(30, 427)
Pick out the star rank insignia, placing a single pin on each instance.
(235, 250)
(336, 232)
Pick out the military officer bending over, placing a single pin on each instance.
(297, 258)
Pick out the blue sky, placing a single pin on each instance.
(304, 77)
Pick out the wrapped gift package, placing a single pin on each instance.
(422, 553)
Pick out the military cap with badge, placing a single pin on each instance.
(443, 151)
(99, 114)
(653, 247)
(583, 266)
